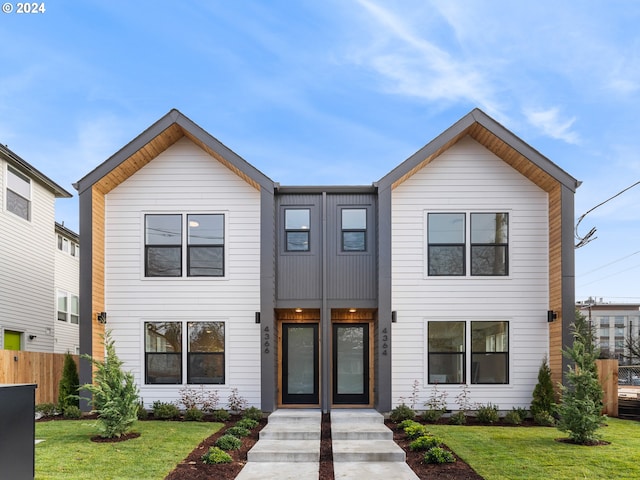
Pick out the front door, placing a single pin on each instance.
(300, 363)
(351, 363)
(11, 340)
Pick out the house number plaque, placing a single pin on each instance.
(266, 336)
(385, 341)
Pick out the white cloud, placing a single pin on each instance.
(549, 121)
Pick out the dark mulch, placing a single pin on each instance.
(121, 438)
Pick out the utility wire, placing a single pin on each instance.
(582, 241)
(609, 264)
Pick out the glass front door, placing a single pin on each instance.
(350, 363)
(300, 363)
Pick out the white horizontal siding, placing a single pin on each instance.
(67, 272)
(185, 179)
(469, 178)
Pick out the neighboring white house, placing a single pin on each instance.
(27, 255)
(67, 282)
(454, 269)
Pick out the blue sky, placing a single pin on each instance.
(340, 91)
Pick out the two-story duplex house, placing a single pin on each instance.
(28, 258)
(456, 268)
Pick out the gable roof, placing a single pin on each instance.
(32, 172)
(495, 138)
(155, 140)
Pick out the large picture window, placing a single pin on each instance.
(204, 345)
(453, 251)
(165, 235)
(354, 229)
(447, 346)
(297, 229)
(18, 194)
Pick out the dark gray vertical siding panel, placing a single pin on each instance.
(568, 272)
(351, 276)
(383, 362)
(299, 275)
(86, 293)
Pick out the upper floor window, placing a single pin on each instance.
(67, 246)
(68, 307)
(165, 237)
(447, 240)
(296, 226)
(354, 229)
(18, 193)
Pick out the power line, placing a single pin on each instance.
(582, 241)
(609, 276)
(609, 264)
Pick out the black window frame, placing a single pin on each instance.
(12, 196)
(216, 355)
(486, 354)
(474, 246)
(362, 231)
(174, 354)
(444, 353)
(151, 247)
(201, 246)
(433, 247)
(297, 231)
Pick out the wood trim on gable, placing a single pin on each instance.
(98, 272)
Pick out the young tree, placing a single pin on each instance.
(543, 404)
(115, 395)
(581, 407)
(69, 384)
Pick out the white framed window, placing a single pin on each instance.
(68, 307)
(63, 306)
(169, 353)
(174, 239)
(18, 193)
(67, 246)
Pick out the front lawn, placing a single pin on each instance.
(68, 453)
(532, 452)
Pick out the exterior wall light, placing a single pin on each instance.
(102, 317)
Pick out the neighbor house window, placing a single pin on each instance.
(163, 245)
(447, 344)
(163, 352)
(486, 246)
(205, 252)
(354, 229)
(446, 357)
(68, 307)
(204, 346)
(296, 225)
(205, 362)
(74, 309)
(18, 193)
(63, 306)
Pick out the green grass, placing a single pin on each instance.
(68, 453)
(532, 453)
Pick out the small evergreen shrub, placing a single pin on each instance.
(239, 432)
(544, 397)
(165, 410)
(544, 419)
(458, 418)
(236, 402)
(487, 413)
(415, 431)
(221, 415)
(69, 384)
(425, 442)
(247, 423)
(216, 455)
(406, 423)
(402, 412)
(513, 417)
(143, 413)
(193, 415)
(439, 455)
(229, 442)
(46, 409)
(253, 413)
(71, 411)
(523, 412)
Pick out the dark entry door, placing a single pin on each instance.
(300, 363)
(350, 363)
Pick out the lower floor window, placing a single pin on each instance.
(165, 344)
(448, 347)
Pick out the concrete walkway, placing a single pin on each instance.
(289, 447)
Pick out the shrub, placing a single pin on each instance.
(253, 413)
(436, 406)
(69, 384)
(165, 410)
(236, 402)
(487, 413)
(193, 415)
(228, 442)
(143, 413)
(221, 415)
(458, 418)
(544, 397)
(71, 411)
(513, 417)
(46, 409)
(402, 412)
(247, 423)
(216, 455)
(239, 432)
(544, 419)
(425, 442)
(523, 412)
(438, 455)
(114, 393)
(202, 399)
(405, 423)
(415, 431)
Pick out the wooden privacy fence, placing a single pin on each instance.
(608, 376)
(43, 369)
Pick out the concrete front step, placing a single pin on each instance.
(282, 471)
(367, 451)
(285, 451)
(360, 431)
(291, 431)
(356, 416)
(370, 471)
(295, 416)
